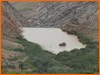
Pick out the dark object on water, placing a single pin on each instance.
(62, 44)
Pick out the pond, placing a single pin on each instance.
(52, 39)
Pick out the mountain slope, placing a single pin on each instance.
(56, 14)
(11, 31)
(21, 56)
(78, 16)
(15, 14)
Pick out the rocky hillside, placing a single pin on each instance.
(15, 14)
(22, 56)
(10, 28)
(77, 16)
(11, 31)
(56, 14)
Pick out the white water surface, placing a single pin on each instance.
(50, 38)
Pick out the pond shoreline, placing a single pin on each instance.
(83, 39)
(51, 39)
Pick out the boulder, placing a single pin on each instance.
(62, 44)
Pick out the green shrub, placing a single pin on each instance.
(84, 60)
(11, 72)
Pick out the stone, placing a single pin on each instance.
(62, 44)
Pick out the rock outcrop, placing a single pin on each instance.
(70, 16)
(21, 20)
(56, 14)
(10, 28)
(11, 31)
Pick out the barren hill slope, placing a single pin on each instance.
(11, 31)
(78, 16)
(56, 14)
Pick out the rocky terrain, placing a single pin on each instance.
(56, 14)
(11, 31)
(77, 16)
(22, 56)
(20, 20)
